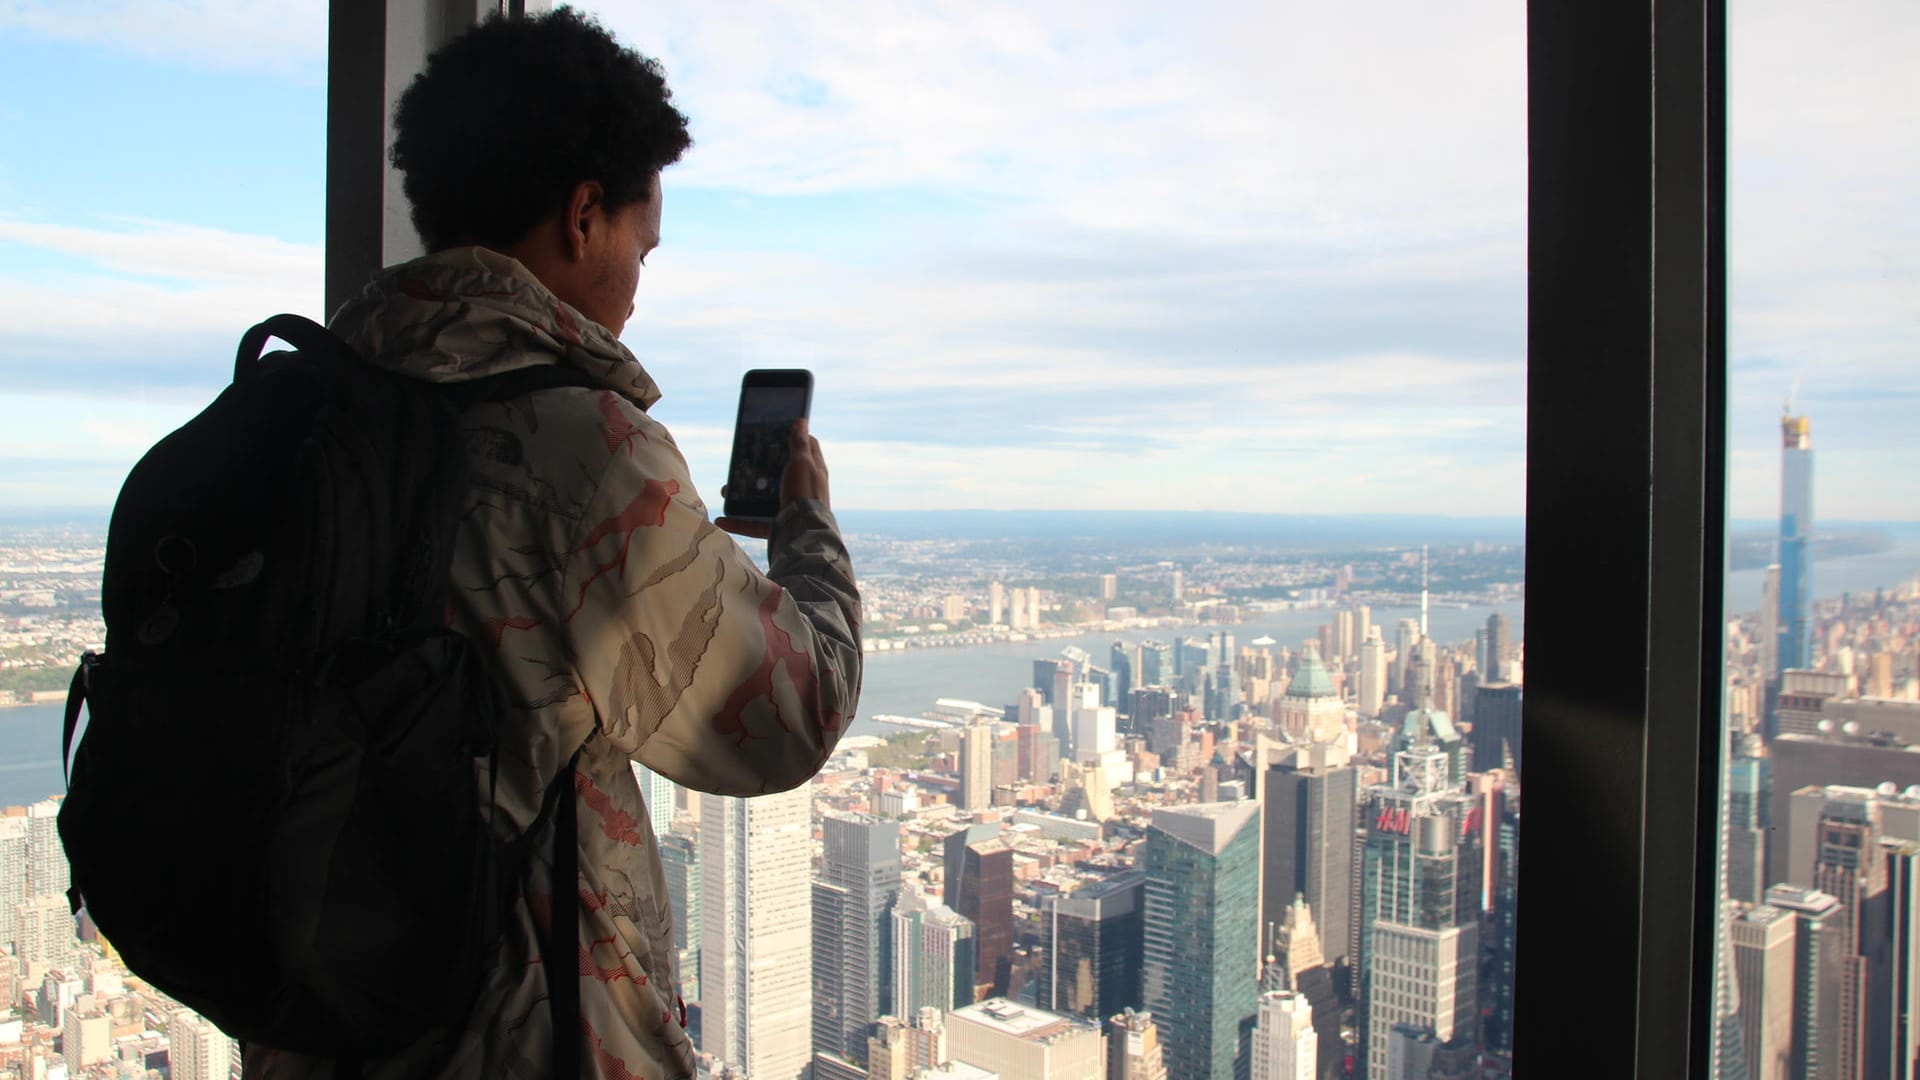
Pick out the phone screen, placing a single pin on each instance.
(766, 421)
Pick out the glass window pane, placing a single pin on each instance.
(1822, 826)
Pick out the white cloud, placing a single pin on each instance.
(286, 37)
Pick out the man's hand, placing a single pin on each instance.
(805, 478)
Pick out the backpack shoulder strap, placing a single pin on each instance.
(296, 330)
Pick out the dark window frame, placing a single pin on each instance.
(1626, 462)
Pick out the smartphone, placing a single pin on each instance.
(770, 401)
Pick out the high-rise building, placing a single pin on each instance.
(1499, 648)
(1796, 542)
(1033, 606)
(1308, 800)
(1285, 1045)
(196, 1050)
(1017, 609)
(1848, 867)
(1147, 706)
(86, 1038)
(657, 792)
(1818, 953)
(1420, 912)
(996, 604)
(979, 885)
(1092, 725)
(1769, 643)
(1763, 948)
(1295, 963)
(852, 951)
(1125, 661)
(1179, 587)
(1903, 959)
(1203, 910)
(47, 873)
(756, 934)
(1091, 941)
(1373, 673)
(1044, 671)
(976, 766)
(933, 955)
(43, 934)
(1344, 643)
(1496, 727)
(1109, 586)
(680, 862)
(1017, 1040)
(13, 873)
(1156, 664)
(1312, 710)
(1406, 635)
(1747, 823)
(1503, 950)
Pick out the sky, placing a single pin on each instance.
(1118, 255)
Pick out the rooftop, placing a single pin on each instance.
(1207, 826)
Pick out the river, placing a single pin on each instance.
(907, 682)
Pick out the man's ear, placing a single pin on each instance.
(585, 216)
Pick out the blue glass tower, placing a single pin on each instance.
(1796, 542)
(1203, 911)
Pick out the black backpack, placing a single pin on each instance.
(274, 812)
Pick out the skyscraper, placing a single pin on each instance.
(1769, 643)
(1295, 963)
(1849, 868)
(1763, 948)
(1285, 1045)
(1312, 711)
(933, 955)
(756, 940)
(1156, 663)
(13, 873)
(1747, 824)
(1091, 942)
(1796, 542)
(1818, 951)
(1203, 903)
(1420, 912)
(657, 791)
(852, 951)
(1497, 712)
(1308, 802)
(1373, 673)
(1903, 952)
(976, 766)
(979, 876)
(197, 1050)
(1499, 648)
(47, 872)
(1406, 635)
(680, 862)
(1125, 661)
(996, 603)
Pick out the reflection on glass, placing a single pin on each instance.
(1821, 831)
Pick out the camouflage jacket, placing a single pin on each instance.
(623, 622)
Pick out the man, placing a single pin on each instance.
(622, 622)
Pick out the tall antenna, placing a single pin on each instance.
(1423, 591)
(1793, 393)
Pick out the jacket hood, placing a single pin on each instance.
(470, 312)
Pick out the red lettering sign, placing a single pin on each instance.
(1394, 821)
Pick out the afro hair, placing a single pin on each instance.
(509, 117)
